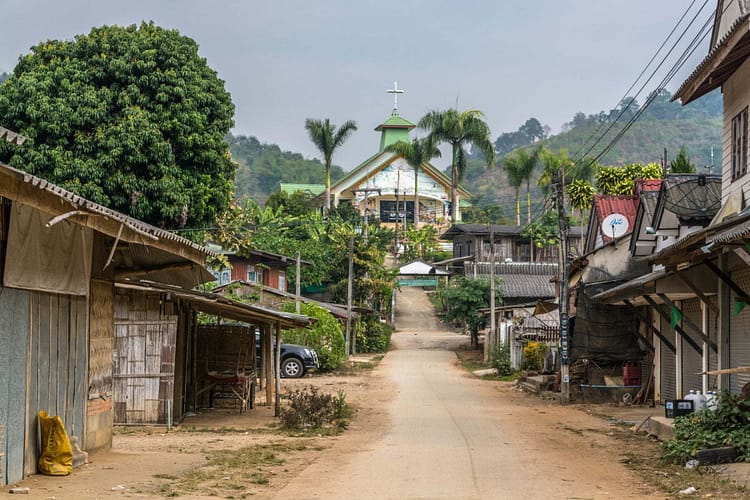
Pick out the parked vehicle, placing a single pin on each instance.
(296, 360)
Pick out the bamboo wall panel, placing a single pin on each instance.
(143, 357)
(100, 351)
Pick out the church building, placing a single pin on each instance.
(383, 186)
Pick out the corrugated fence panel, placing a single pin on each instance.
(58, 374)
(14, 340)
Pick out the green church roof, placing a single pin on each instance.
(395, 121)
(314, 189)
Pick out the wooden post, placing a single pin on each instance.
(268, 363)
(298, 284)
(277, 409)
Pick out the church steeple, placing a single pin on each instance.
(395, 128)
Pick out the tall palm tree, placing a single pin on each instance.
(459, 129)
(519, 165)
(327, 138)
(416, 153)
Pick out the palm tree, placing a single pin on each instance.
(514, 173)
(459, 129)
(327, 138)
(416, 152)
(519, 165)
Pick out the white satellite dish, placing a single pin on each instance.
(615, 225)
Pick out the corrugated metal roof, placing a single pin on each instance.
(524, 285)
(605, 205)
(711, 81)
(739, 231)
(419, 268)
(11, 137)
(219, 305)
(395, 121)
(313, 189)
(80, 203)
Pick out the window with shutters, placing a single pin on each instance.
(739, 145)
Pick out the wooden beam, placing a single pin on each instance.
(726, 279)
(692, 286)
(677, 328)
(646, 320)
(689, 322)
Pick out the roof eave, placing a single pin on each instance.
(720, 63)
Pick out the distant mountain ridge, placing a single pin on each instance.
(663, 125)
(263, 167)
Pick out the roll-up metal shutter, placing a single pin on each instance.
(739, 334)
(667, 370)
(692, 361)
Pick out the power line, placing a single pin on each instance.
(627, 92)
(694, 44)
(654, 93)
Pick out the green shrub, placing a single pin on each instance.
(372, 335)
(309, 409)
(727, 425)
(533, 354)
(325, 335)
(500, 359)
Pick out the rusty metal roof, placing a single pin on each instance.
(11, 137)
(605, 205)
(77, 203)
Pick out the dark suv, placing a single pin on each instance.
(295, 359)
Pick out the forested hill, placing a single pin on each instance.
(663, 125)
(262, 167)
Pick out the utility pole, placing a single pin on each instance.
(491, 336)
(349, 298)
(563, 277)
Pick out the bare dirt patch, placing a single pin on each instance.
(218, 453)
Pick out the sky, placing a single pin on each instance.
(287, 60)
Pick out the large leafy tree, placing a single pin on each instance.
(416, 153)
(327, 138)
(130, 117)
(460, 130)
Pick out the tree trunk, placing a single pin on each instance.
(328, 189)
(454, 186)
(528, 203)
(416, 199)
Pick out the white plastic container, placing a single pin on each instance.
(712, 400)
(700, 401)
(691, 397)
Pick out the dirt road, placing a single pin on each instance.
(452, 436)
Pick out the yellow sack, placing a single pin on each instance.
(57, 454)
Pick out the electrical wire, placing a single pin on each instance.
(694, 44)
(643, 71)
(654, 93)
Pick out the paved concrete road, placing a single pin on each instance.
(453, 436)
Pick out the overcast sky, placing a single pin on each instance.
(287, 60)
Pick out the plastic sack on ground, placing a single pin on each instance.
(57, 454)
